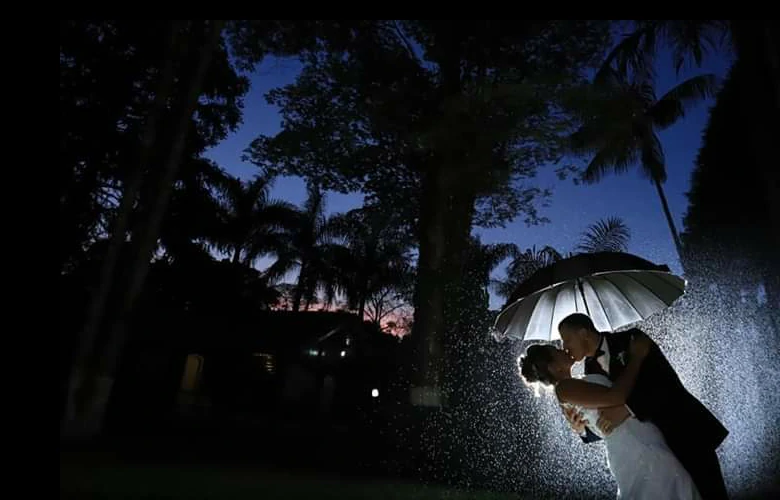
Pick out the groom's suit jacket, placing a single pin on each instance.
(660, 397)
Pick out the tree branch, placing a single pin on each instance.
(405, 41)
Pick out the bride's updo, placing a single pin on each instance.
(535, 364)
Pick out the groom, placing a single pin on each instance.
(691, 431)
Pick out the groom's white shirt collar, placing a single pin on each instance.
(603, 360)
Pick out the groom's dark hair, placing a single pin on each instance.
(578, 320)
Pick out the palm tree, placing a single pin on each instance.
(311, 248)
(636, 53)
(754, 41)
(523, 266)
(483, 259)
(606, 235)
(376, 261)
(621, 131)
(609, 234)
(254, 223)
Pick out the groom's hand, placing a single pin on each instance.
(611, 417)
(575, 419)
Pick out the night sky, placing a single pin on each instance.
(571, 209)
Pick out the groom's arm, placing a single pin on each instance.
(610, 418)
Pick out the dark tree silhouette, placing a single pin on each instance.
(606, 235)
(754, 41)
(253, 224)
(728, 225)
(377, 263)
(621, 129)
(163, 92)
(440, 121)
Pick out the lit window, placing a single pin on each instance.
(192, 371)
(269, 365)
(374, 393)
(343, 353)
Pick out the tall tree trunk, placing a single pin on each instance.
(669, 219)
(362, 306)
(363, 291)
(434, 277)
(298, 292)
(98, 381)
(428, 326)
(78, 389)
(461, 308)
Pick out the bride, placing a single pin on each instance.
(643, 465)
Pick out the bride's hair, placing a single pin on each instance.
(535, 364)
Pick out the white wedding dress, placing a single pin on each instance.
(640, 460)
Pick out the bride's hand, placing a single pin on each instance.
(640, 345)
(575, 418)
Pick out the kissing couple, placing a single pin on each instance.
(660, 439)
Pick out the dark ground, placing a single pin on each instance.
(293, 461)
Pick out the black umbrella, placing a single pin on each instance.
(614, 288)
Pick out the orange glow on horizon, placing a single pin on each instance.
(396, 323)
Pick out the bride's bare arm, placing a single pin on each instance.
(589, 395)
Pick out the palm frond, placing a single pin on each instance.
(673, 105)
(692, 38)
(494, 254)
(502, 288)
(524, 265)
(642, 95)
(315, 202)
(633, 54)
(284, 264)
(616, 157)
(606, 235)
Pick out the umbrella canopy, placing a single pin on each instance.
(614, 288)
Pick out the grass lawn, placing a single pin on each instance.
(109, 478)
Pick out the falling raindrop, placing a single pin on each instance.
(500, 435)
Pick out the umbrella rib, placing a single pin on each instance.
(582, 293)
(596, 293)
(631, 276)
(552, 313)
(627, 299)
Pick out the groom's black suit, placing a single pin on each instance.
(691, 431)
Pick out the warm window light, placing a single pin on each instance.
(192, 371)
(374, 393)
(268, 361)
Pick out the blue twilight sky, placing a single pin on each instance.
(571, 208)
